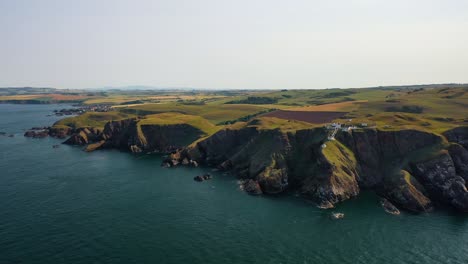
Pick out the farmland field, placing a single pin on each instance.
(315, 117)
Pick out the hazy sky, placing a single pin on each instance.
(232, 44)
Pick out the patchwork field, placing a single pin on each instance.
(433, 108)
(333, 107)
(315, 117)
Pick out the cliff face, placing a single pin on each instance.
(414, 169)
(129, 135)
(84, 136)
(458, 135)
(380, 153)
(411, 168)
(440, 178)
(279, 161)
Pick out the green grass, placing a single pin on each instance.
(176, 118)
(341, 158)
(270, 123)
(215, 113)
(434, 108)
(92, 119)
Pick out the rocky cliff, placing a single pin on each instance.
(131, 135)
(414, 169)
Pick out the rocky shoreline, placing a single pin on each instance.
(413, 170)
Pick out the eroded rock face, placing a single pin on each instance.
(328, 182)
(252, 154)
(129, 135)
(458, 135)
(274, 178)
(405, 191)
(272, 161)
(459, 156)
(439, 177)
(375, 149)
(60, 132)
(367, 158)
(275, 160)
(252, 187)
(84, 136)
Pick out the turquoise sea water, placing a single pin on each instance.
(62, 205)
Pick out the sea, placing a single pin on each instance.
(64, 205)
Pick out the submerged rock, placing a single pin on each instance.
(389, 207)
(198, 178)
(336, 216)
(325, 205)
(203, 177)
(252, 187)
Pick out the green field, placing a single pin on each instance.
(176, 118)
(434, 108)
(92, 119)
(214, 112)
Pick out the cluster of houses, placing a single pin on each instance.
(335, 127)
(83, 109)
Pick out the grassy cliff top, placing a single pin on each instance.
(177, 118)
(435, 108)
(269, 123)
(214, 113)
(92, 119)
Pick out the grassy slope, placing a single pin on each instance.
(176, 118)
(215, 113)
(269, 123)
(341, 158)
(442, 108)
(92, 119)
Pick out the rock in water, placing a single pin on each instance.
(207, 176)
(198, 178)
(337, 216)
(389, 207)
(252, 187)
(203, 177)
(36, 133)
(325, 205)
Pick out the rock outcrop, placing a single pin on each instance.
(60, 131)
(413, 169)
(84, 136)
(458, 135)
(459, 156)
(54, 131)
(278, 161)
(402, 165)
(439, 177)
(252, 187)
(131, 135)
